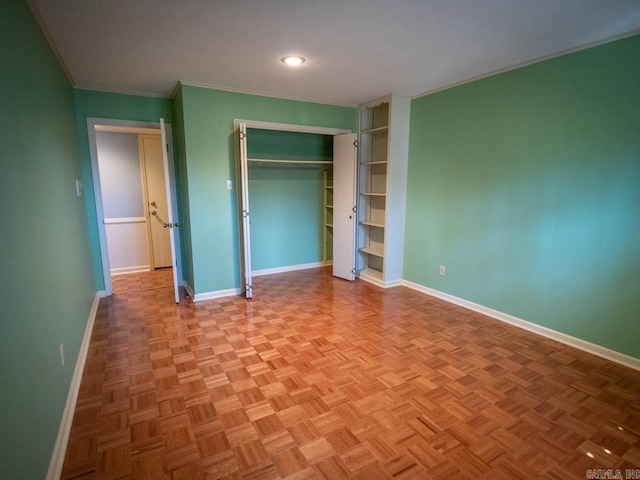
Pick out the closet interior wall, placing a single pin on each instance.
(290, 179)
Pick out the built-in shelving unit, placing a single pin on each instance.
(327, 231)
(383, 152)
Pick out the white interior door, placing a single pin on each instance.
(171, 224)
(344, 205)
(157, 210)
(246, 230)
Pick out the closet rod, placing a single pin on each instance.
(308, 162)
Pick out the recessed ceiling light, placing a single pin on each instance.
(292, 60)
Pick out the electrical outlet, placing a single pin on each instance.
(229, 185)
(443, 270)
(79, 187)
(62, 353)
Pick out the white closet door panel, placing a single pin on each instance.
(172, 223)
(246, 232)
(344, 202)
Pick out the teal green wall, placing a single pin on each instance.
(46, 275)
(113, 106)
(526, 186)
(210, 155)
(282, 145)
(286, 203)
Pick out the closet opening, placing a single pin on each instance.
(287, 195)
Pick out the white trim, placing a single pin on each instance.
(375, 280)
(60, 447)
(289, 127)
(101, 293)
(578, 343)
(134, 269)
(119, 220)
(289, 268)
(527, 63)
(257, 94)
(189, 290)
(90, 88)
(198, 297)
(375, 102)
(123, 129)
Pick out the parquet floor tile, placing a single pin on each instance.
(319, 378)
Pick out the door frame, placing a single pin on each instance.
(125, 126)
(245, 266)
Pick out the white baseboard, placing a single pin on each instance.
(289, 268)
(60, 448)
(189, 290)
(134, 269)
(198, 297)
(374, 277)
(101, 293)
(578, 343)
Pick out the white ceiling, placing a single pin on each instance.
(356, 50)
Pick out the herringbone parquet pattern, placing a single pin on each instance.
(322, 378)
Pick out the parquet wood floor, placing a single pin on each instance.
(319, 378)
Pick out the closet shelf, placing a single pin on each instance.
(328, 206)
(382, 162)
(370, 251)
(373, 131)
(292, 163)
(373, 194)
(330, 225)
(372, 224)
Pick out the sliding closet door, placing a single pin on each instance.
(344, 205)
(246, 233)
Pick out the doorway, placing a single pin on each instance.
(131, 178)
(283, 159)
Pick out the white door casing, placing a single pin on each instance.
(245, 229)
(246, 232)
(123, 126)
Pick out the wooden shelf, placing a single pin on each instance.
(289, 163)
(327, 216)
(372, 224)
(370, 251)
(373, 131)
(371, 273)
(382, 162)
(373, 194)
